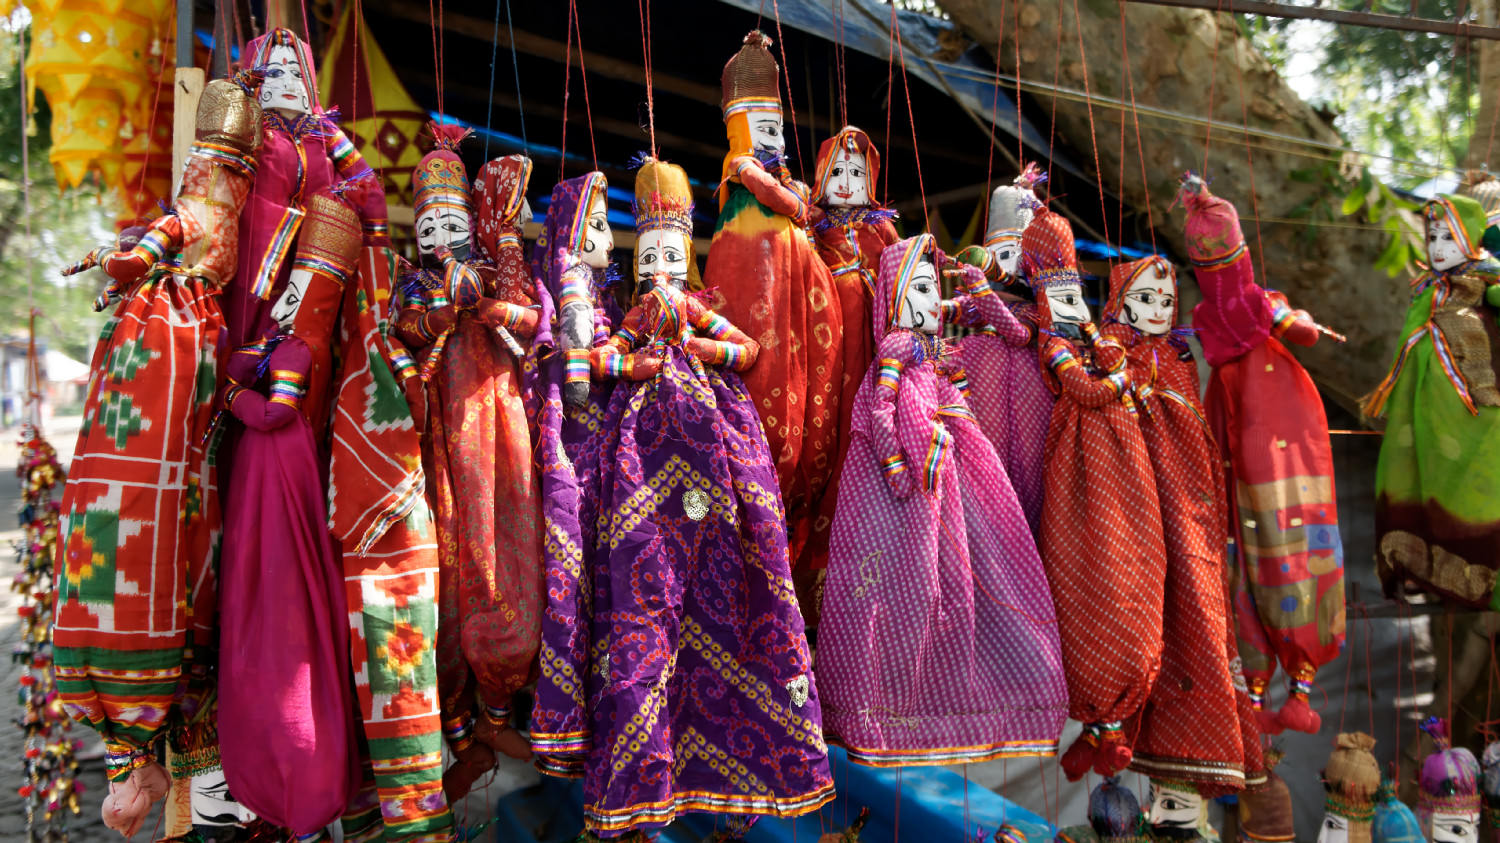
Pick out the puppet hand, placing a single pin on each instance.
(129, 802)
(576, 394)
(440, 319)
(902, 483)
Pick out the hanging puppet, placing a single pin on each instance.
(1265, 808)
(1394, 822)
(571, 265)
(465, 307)
(1114, 817)
(851, 230)
(1269, 422)
(140, 509)
(285, 705)
(698, 645)
(1178, 812)
(1011, 400)
(1189, 729)
(1490, 762)
(1448, 789)
(1100, 499)
(1350, 780)
(931, 554)
(1437, 514)
(773, 286)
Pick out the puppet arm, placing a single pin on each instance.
(901, 477)
(770, 191)
(720, 343)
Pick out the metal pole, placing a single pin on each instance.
(184, 33)
(1286, 10)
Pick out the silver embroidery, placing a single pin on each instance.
(562, 457)
(798, 688)
(695, 504)
(604, 665)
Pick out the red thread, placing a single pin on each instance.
(1213, 83)
(437, 64)
(989, 164)
(161, 69)
(1260, 249)
(562, 161)
(1088, 102)
(786, 75)
(645, 11)
(583, 74)
(911, 116)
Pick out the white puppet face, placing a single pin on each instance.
(284, 311)
(1007, 253)
(846, 185)
(920, 308)
(661, 250)
(1175, 811)
(765, 133)
(598, 240)
(1443, 251)
(1066, 302)
(1454, 827)
(1150, 302)
(213, 804)
(284, 88)
(443, 225)
(1335, 829)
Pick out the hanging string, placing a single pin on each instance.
(1020, 148)
(562, 159)
(1213, 81)
(161, 69)
(838, 63)
(1369, 677)
(911, 116)
(515, 67)
(644, 8)
(437, 64)
(489, 107)
(786, 73)
(26, 174)
(1135, 119)
(583, 76)
(1089, 106)
(989, 164)
(1400, 645)
(1260, 248)
(1056, 78)
(890, 106)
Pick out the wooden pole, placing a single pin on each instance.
(187, 87)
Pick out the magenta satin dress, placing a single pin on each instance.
(286, 705)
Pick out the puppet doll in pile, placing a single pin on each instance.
(1189, 730)
(1490, 764)
(286, 709)
(466, 304)
(851, 230)
(1448, 789)
(1100, 503)
(1394, 822)
(1114, 817)
(1350, 781)
(571, 264)
(1178, 812)
(1437, 511)
(1011, 400)
(696, 633)
(140, 512)
(931, 554)
(1265, 808)
(769, 282)
(1269, 422)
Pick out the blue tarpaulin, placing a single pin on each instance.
(932, 803)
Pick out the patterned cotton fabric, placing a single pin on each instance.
(1189, 729)
(701, 692)
(938, 561)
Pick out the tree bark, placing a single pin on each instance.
(1197, 63)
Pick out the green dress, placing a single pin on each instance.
(1437, 509)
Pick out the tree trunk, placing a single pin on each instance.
(1197, 63)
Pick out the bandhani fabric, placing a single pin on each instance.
(285, 705)
(567, 454)
(1437, 499)
(766, 278)
(298, 157)
(849, 240)
(478, 453)
(1268, 420)
(931, 554)
(1099, 503)
(390, 565)
(1188, 730)
(140, 514)
(701, 691)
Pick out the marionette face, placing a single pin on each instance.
(920, 307)
(598, 240)
(1007, 253)
(1443, 251)
(661, 250)
(284, 311)
(846, 185)
(765, 133)
(1066, 302)
(443, 225)
(1454, 827)
(1175, 811)
(1335, 829)
(284, 89)
(212, 803)
(1150, 302)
